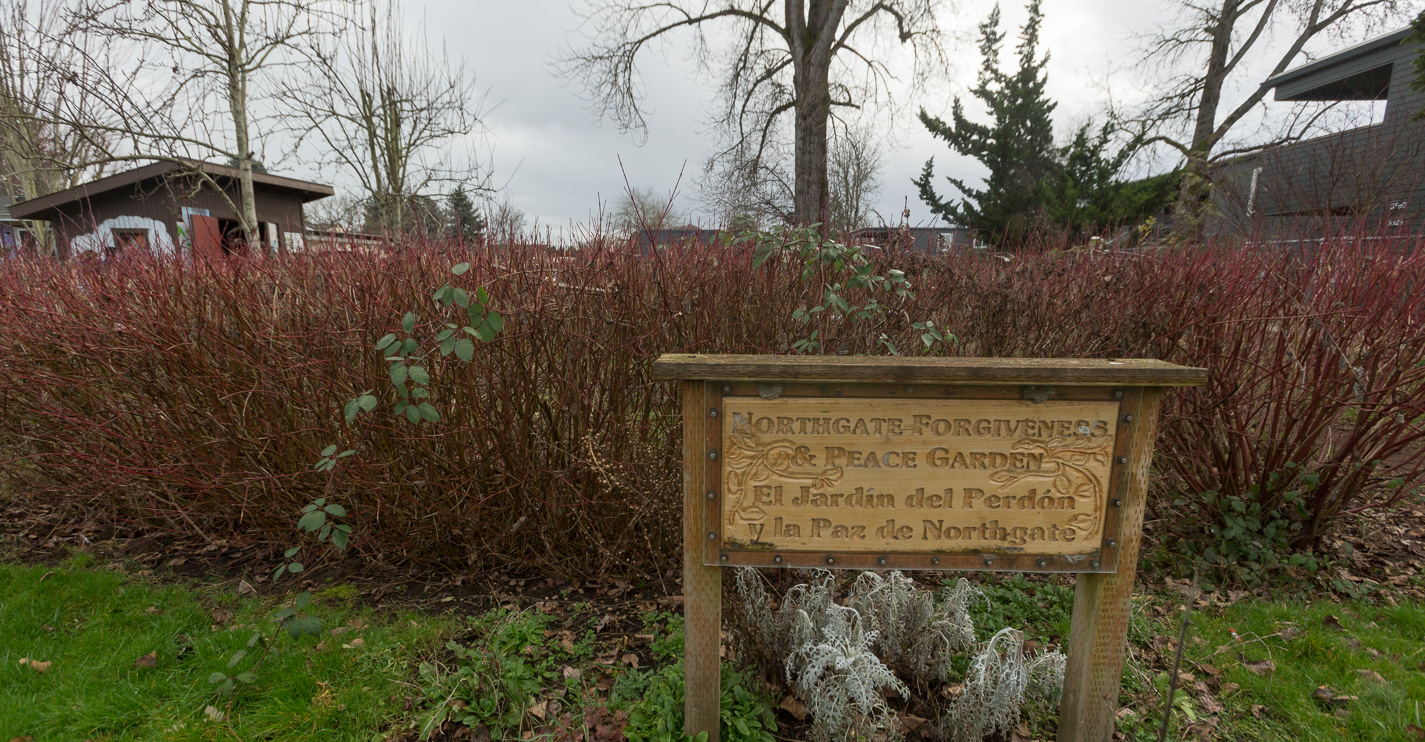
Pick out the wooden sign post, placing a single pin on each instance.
(1006, 465)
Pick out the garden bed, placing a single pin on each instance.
(587, 655)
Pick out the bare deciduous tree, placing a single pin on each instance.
(507, 223)
(38, 154)
(1208, 45)
(175, 81)
(805, 58)
(854, 174)
(645, 208)
(388, 112)
(742, 189)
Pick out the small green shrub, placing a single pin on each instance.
(658, 715)
(667, 631)
(1254, 538)
(1042, 609)
(494, 680)
(653, 698)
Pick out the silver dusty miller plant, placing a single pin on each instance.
(997, 684)
(843, 660)
(839, 677)
(914, 636)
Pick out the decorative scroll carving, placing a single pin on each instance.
(1068, 465)
(752, 461)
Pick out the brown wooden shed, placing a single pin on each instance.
(167, 207)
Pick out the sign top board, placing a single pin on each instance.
(902, 370)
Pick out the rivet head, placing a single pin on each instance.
(1118, 394)
(1093, 564)
(722, 558)
(1128, 418)
(1042, 562)
(881, 561)
(712, 454)
(712, 495)
(712, 412)
(727, 389)
(777, 559)
(909, 389)
(989, 561)
(1122, 459)
(712, 535)
(830, 559)
(1118, 502)
(1110, 542)
(935, 561)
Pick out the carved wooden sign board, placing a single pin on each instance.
(943, 464)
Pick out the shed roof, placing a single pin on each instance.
(306, 190)
(1364, 79)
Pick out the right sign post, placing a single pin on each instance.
(1026, 465)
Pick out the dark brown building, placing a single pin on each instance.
(1367, 176)
(168, 208)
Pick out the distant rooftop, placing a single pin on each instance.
(308, 190)
(1350, 74)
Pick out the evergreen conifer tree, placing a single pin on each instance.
(465, 224)
(1086, 195)
(1017, 146)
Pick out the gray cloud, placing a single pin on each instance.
(559, 161)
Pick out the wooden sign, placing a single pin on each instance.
(920, 463)
(913, 479)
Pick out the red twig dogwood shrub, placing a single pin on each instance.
(196, 396)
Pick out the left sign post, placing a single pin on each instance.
(702, 584)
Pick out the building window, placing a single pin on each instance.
(128, 239)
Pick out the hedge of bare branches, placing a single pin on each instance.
(196, 397)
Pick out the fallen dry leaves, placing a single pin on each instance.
(36, 665)
(1263, 667)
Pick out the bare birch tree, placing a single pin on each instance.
(1208, 45)
(798, 58)
(176, 81)
(38, 154)
(388, 112)
(854, 174)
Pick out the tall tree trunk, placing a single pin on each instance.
(813, 111)
(813, 36)
(247, 199)
(237, 103)
(1196, 190)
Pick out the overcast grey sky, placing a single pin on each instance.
(559, 162)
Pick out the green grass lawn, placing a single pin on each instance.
(92, 625)
(1375, 653)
